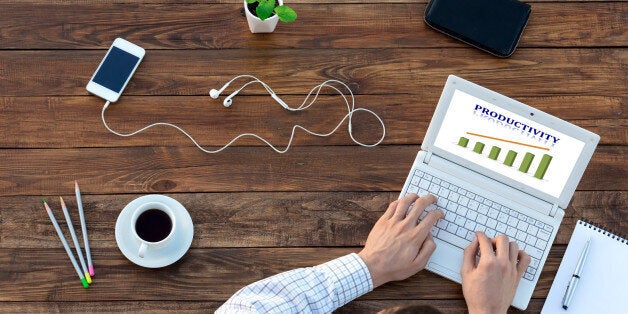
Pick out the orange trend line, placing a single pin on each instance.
(507, 141)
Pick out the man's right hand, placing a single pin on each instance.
(490, 285)
(398, 245)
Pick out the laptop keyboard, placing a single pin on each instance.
(467, 212)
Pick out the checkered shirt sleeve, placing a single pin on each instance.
(318, 289)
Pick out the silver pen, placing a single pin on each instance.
(573, 283)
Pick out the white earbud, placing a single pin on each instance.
(214, 93)
(227, 102)
(229, 99)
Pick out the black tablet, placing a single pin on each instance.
(494, 26)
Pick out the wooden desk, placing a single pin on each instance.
(257, 213)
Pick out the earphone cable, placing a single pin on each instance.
(315, 90)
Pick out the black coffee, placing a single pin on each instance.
(153, 225)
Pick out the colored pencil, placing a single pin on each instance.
(65, 245)
(75, 240)
(88, 253)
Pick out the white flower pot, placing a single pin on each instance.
(258, 26)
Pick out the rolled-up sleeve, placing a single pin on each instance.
(319, 289)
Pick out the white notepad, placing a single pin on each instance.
(603, 287)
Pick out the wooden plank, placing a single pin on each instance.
(357, 306)
(75, 2)
(193, 26)
(444, 306)
(148, 307)
(241, 169)
(70, 122)
(210, 275)
(280, 219)
(533, 73)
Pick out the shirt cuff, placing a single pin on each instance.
(351, 276)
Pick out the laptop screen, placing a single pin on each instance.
(507, 143)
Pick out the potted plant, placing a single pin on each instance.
(263, 15)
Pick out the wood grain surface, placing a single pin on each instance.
(213, 26)
(195, 276)
(257, 213)
(77, 119)
(232, 219)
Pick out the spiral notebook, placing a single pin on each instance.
(604, 282)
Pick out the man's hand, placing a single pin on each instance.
(397, 246)
(490, 286)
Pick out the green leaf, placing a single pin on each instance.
(251, 1)
(285, 13)
(265, 9)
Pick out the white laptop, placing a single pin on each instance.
(497, 166)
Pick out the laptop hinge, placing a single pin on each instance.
(492, 185)
(428, 156)
(554, 210)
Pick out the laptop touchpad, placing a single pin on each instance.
(446, 261)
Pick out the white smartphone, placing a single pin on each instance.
(116, 69)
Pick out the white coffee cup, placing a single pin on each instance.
(151, 232)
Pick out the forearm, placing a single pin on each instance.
(321, 288)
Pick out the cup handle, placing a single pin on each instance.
(142, 250)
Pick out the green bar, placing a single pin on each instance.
(540, 171)
(479, 147)
(463, 141)
(525, 164)
(510, 158)
(494, 152)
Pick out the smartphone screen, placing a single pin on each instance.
(491, 25)
(116, 69)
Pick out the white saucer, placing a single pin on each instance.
(161, 257)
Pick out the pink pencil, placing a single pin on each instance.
(65, 245)
(75, 240)
(79, 202)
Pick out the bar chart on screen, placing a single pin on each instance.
(512, 147)
(510, 153)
